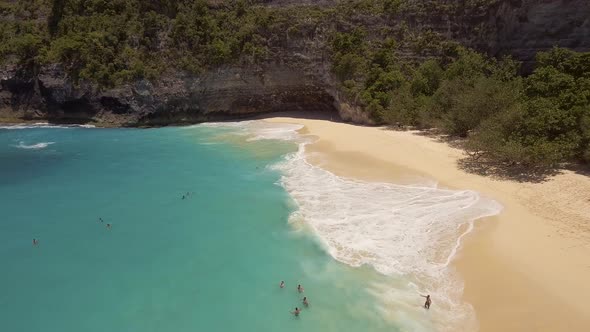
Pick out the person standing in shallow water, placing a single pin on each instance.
(300, 289)
(297, 312)
(35, 242)
(428, 301)
(305, 302)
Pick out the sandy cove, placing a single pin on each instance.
(526, 269)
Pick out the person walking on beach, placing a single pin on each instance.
(428, 301)
(300, 289)
(296, 312)
(305, 302)
(282, 284)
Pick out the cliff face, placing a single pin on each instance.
(298, 80)
(519, 28)
(522, 28)
(227, 92)
(296, 75)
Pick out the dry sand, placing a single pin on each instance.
(527, 269)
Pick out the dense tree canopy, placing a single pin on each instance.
(539, 120)
(111, 42)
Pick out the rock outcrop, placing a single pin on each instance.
(522, 28)
(225, 93)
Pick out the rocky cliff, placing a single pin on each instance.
(295, 75)
(225, 93)
(522, 28)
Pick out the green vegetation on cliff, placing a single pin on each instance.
(386, 61)
(115, 41)
(539, 120)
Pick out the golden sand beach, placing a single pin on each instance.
(526, 269)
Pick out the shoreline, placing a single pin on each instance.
(525, 269)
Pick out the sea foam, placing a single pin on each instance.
(259, 130)
(410, 232)
(37, 146)
(407, 231)
(43, 125)
(395, 228)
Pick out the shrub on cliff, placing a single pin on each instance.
(539, 121)
(112, 42)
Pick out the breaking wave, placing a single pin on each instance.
(42, 125)
(408, 232)
(38, 146)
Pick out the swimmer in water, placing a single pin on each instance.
(300, 289)
(305, 302)
(428, 301)
(109, 226)
(183, 197)
(296, 312)
(35, 242)
(100, 219)
(282, 284)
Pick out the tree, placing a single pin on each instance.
(427, 78)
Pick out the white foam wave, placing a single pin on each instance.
(42, 125)
(410, 232)
(395, 228)
(259, 130)
(38, 146)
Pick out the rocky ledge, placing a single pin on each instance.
(177, 98)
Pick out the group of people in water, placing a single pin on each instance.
(300, 289)
(187, 195)
(109, 227)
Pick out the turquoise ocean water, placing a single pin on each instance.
(211, 262)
